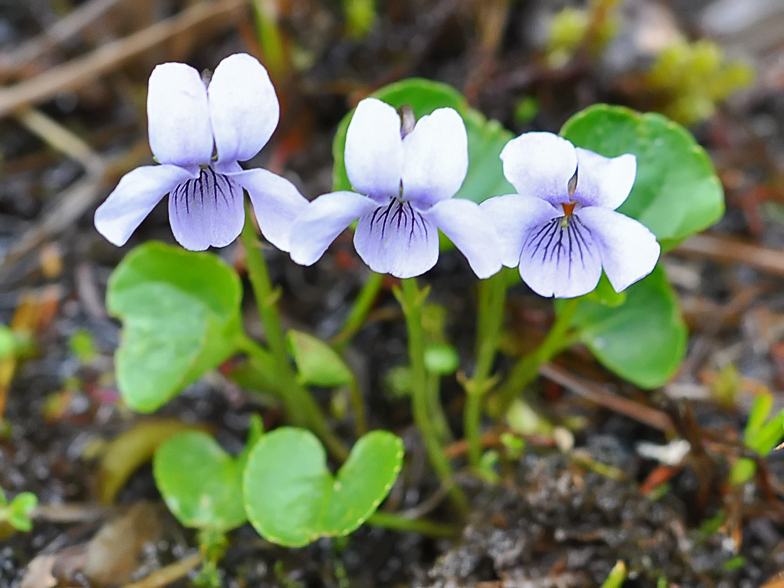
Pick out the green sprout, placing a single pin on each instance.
(573, 28)
(17, 513)
(762, 435)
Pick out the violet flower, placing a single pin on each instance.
(404, 185)
(189, 121)
(561, 228)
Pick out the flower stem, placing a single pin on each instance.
(412, 299)
(492, 299)
(527, 367)
(396, 522)
(359, 311)
(266, 300)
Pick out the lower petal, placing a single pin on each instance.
(561, 261)
(628, 250)
(514, 216)
(208, 211)
(396, 239)
(276, 203)
(472, 233)
(322, 221)
(134, 198)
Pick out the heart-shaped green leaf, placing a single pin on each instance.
(291, 497)
(317, 363)
(676, 192)
(644, 339)
(200, 482)
(181, 318)
(486, 138)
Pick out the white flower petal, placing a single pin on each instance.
(276, 203)
(472, 233)
(244, 109)
(540, 165)
(208, 211)
(134, 198)
(178, 116)
(603, 181)
(560, 261)
(322, 221)
(374, 150)
(513, 217)
(435, 157)
(628, 250)
(396, 239)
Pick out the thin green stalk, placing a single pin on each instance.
(268, 31)
(437, 413)
(266, 300)
(527, 367)
(396, 522)
(359, 311)
(358, 406)
(492, 299)
(412, 300)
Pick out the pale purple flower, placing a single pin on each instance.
(404, 186)
(561, 228)
(198, 134)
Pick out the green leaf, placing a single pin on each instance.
(644, 339)
(317, 363)
(292, 499)
(181, 318)
(200, 482)
(676, 192)
(760, 410)
(441, 359)
(24, 503)
(7, 342)
(486, 138)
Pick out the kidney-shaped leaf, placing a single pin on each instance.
(486, 138)
(292, 499)
(676, 192)
(200, 482)
(644, 339)
(181, 318)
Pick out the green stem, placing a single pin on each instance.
(358, 406)
(412, 300)
(492, 299)
(527, 367)
(359, 311)
(396, 522)
(436, 409)
(266, 300)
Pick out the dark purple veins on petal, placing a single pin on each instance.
(402, 216)
(210, 185)
(559, 239)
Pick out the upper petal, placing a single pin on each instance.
(561, 261)
(435, 157)
(276, 203)
(604, 181)
(629, 251)
(396, 239)
(513, 217)
(322, 221)
(540, 165)
(471, 231)
(206, 212)
(244, 109)
(374, 149)
(178, 116)
(134, 197)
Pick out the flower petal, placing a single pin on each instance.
(604, 181)
(471, 231)
(514, 216)
(561, 261)
(374, 150)
(244, 109)
(628, 250)
(396, 239)
(208, 211)
(276, 203)
(178, 116)
(540, 165)
(322, 221)
(435, 157)
(134, 198)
